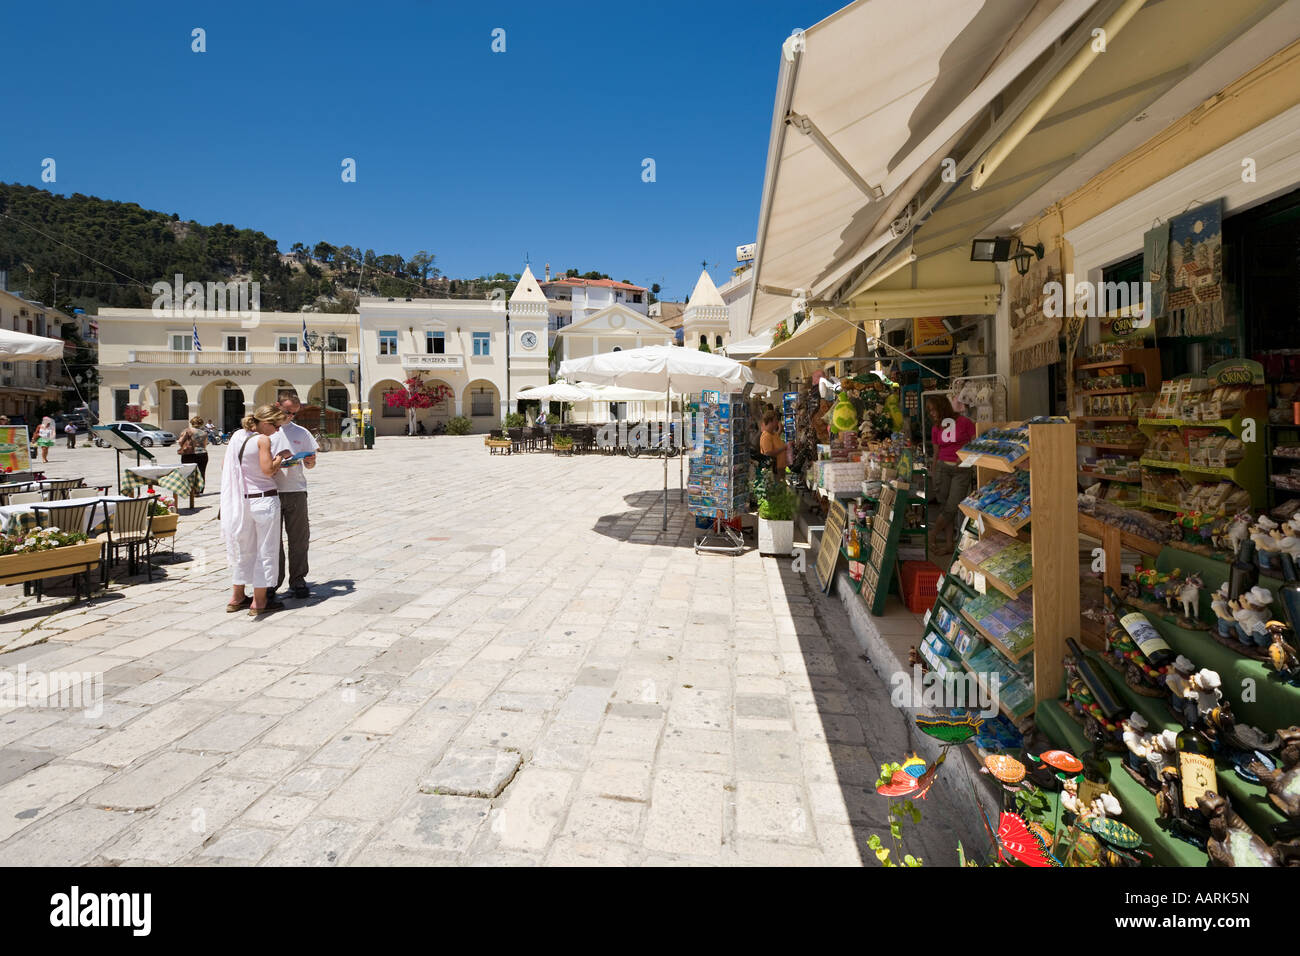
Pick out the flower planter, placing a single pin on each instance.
(164, 524)
(70, 559)
(775, 537)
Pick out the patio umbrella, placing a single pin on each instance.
(21, 347)
(560, 391)
(663, 368)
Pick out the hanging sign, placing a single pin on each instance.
(1235, 372)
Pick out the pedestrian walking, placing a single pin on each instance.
(293, 439)
(45, 437)
(193, 445)
(71, 431)
(250, 510)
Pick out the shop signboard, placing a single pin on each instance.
(828, 554)
(15, 452)
(1235, 372)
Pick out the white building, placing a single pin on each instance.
(707, 318)
(482, 350)
(572, 300)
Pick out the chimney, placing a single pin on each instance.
(548, 272)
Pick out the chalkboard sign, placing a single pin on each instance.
(885, 528)
(828, 554)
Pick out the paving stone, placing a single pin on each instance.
(279, 810)
(317, 842)
(16, 761)
(227, 733)
(146, 785)
(479, 772)
(241, 846)
(685, 813)
(65, 839)
(436, 822)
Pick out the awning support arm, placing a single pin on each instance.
(805, 125)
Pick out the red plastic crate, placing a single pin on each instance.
(920, 585)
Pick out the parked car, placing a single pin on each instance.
(144, 433)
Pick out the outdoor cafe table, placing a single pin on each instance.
(19, 519)
(179, 479)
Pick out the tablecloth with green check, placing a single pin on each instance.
(174, 481)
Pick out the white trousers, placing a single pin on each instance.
(255, 554)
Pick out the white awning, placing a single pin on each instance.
(21, 347)
(868, 101)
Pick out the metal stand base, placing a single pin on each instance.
(734, 543)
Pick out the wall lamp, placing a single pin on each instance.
(1021, 256)
(1006, 249)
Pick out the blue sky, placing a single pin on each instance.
(478, 157)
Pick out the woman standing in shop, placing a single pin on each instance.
(45, 437)
(949, 432)
(250, 510)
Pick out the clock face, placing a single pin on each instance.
(528, 340)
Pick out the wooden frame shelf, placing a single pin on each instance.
(997, 582)
(1002, 648)
(1111, 446)
(1010, 528)
(1100, 477)
(993, 462)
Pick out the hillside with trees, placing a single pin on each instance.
(89, 252)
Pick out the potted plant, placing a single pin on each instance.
(45, 552)
(563, 443)
(162, 519)
(776, 519)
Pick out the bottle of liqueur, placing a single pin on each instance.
(1135, 624)
(1096, 772)
(1289, 593)
(1244, 573)
(1195, 766)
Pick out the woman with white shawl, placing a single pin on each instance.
(250, 510)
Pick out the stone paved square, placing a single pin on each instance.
(488, 673)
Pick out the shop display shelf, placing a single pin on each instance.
(1117, 363)
(1105, 418)
(1099, 476)
(1150, 501)
(1111, 446)
(1010, 714)
(993, 462)
(1232, 474)
(1007, 526)
(998, 583)
(1232, 424)
(1002, 648)
(1130, 390)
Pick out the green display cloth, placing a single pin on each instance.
(1250, 800)
(1139, 805)
(1275, 704)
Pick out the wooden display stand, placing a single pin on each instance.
(1053, 533)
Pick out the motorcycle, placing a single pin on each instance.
(215, 437)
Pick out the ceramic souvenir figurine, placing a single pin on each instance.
(1166, 588)
(1178, 682)
(1186, 825)
(1252, 615)
(1206, 684)
(1267, 546)
(1137, 740)
(1227, 624)
(1286, 664)
(1232, 843)
(1221, 724)
(1237, 533)
(1283, 783)
(1189, 596)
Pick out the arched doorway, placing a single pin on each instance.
(387, 421)
(167, 402)
(481, 402)
(337, 395)
(223, 402)
(268, 393)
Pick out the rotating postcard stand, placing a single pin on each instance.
(718, 483)
(120, 443)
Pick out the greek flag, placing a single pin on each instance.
(305, 347)
(197, 346)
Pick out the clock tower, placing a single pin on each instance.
(527, 324)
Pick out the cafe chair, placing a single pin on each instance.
(58, 488)
(69, 519)
(130, 528)
(25, 498)
(83, 493)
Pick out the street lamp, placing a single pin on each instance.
(316, 342)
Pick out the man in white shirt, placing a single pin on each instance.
(291, 482)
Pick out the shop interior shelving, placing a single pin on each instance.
(1247, 473)
(1279, 434)
(1144, 362)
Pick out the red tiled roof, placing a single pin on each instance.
(608, 283)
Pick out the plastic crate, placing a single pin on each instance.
(920, 585)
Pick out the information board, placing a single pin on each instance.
(828, 552)
(885, 528)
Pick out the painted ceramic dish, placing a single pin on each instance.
(1006, 769)
(1061, 760)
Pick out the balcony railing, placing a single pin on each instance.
(253, 357)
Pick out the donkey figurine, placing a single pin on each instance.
(1189, 595)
